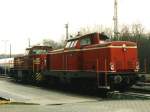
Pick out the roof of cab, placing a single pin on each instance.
(102, 35)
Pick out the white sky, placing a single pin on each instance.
(39, 19)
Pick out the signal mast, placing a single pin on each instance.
(115, 18)
(66, 26)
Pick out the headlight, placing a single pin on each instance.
(137, 67)
(124, 47)
(112, 66)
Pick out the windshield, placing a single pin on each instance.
(38, 51)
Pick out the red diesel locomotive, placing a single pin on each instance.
(27, 67)
(90, 60)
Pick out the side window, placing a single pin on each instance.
(71, 44)
(103, 37)
(75, 43)
(85, 41)
(68, 44)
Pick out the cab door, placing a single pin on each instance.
(71, 56)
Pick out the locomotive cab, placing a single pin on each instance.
(80, 42)
(38, 50)
(39, 61)
(29, 66)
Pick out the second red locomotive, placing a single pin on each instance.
(90, 60)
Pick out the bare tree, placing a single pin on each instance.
(137, 30)
(125, 32)
(96, 28)
(55, 45)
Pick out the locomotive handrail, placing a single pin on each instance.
(97, 72)
(105, 72)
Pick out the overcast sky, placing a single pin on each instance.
(39, 19)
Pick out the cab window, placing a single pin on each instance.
(103, 37)
(85, 41)
(71, 44)
(75, 43)
(68, 44)
(39, 51)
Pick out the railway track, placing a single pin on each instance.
(127, 95)
(139, 91)
(141, 87)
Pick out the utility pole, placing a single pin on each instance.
(10, 51)
(66, 26)
(29, 42)
(5, 53)
(115, 18)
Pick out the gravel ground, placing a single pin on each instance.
(36, 99)
(101, 106)
(32, 94)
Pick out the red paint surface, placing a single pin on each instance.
(84, 58)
